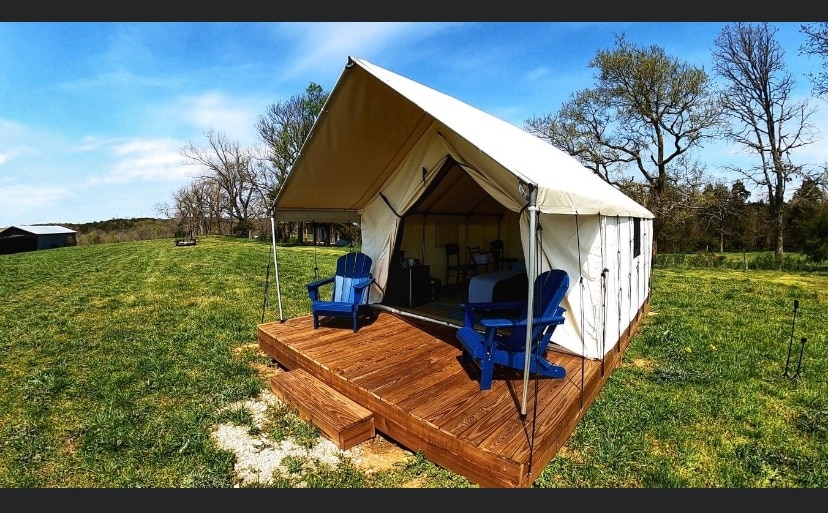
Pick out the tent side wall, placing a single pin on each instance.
(609, 276)
(628, 255)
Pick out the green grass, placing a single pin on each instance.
(119, 360)
(701, 399)
(752, 260)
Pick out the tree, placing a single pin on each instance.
(721, 206)
(283, 129)
(193, 207)
(763, 119)
(230, 168)
(580, 129)
(817, 44)
(646, 113)
(809, 220)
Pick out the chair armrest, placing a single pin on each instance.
(470, 309)
(494, 305)
(496, 323)
(511, 323)
(359, 290)
(360, 286)
(313, 287)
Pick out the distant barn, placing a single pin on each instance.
(16, 239)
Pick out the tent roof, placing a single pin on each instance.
(374, 117)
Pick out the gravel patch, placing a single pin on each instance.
(258, 457)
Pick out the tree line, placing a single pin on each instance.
(122, 230)
(641, 127)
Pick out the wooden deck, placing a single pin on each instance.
(408, 373)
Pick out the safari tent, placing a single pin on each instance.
(417, 169)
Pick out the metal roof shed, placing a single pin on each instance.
(16, 239)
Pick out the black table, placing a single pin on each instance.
(408, 286)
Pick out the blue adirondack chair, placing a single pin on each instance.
(349, 289)
(504, 340)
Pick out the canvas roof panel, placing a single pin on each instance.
(372, 120)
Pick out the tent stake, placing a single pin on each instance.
(801, 349)
(790, 343)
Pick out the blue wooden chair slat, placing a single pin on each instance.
(349, 290)
(503, 341)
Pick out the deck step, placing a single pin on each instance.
(343, 421)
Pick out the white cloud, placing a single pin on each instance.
(141, 160)
(319, 45)
(537, 74)
(213, 110)
(115, 80)
(22, 201)
(14, 141)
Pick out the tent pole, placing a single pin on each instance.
(275, 262)
(531, 270)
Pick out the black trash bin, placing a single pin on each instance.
(436, 284)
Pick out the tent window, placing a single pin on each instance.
(636, 237)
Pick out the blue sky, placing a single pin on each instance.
(93, 115)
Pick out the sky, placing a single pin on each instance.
(94, 115)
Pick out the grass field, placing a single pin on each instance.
(120, 359)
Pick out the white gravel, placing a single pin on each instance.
(257, 457)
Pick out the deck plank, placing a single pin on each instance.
(455, 388)
(411, 346)
(424, 375)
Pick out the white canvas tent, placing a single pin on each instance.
(387, 151)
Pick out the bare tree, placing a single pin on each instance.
(580, 128)
(817, 44)
(764, 119)
(230, 167)
(193, 208)
(162, 208)
(645, 113)
(214, 199)
(237, 185)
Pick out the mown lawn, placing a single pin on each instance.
(701, 399)
(119, 359)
